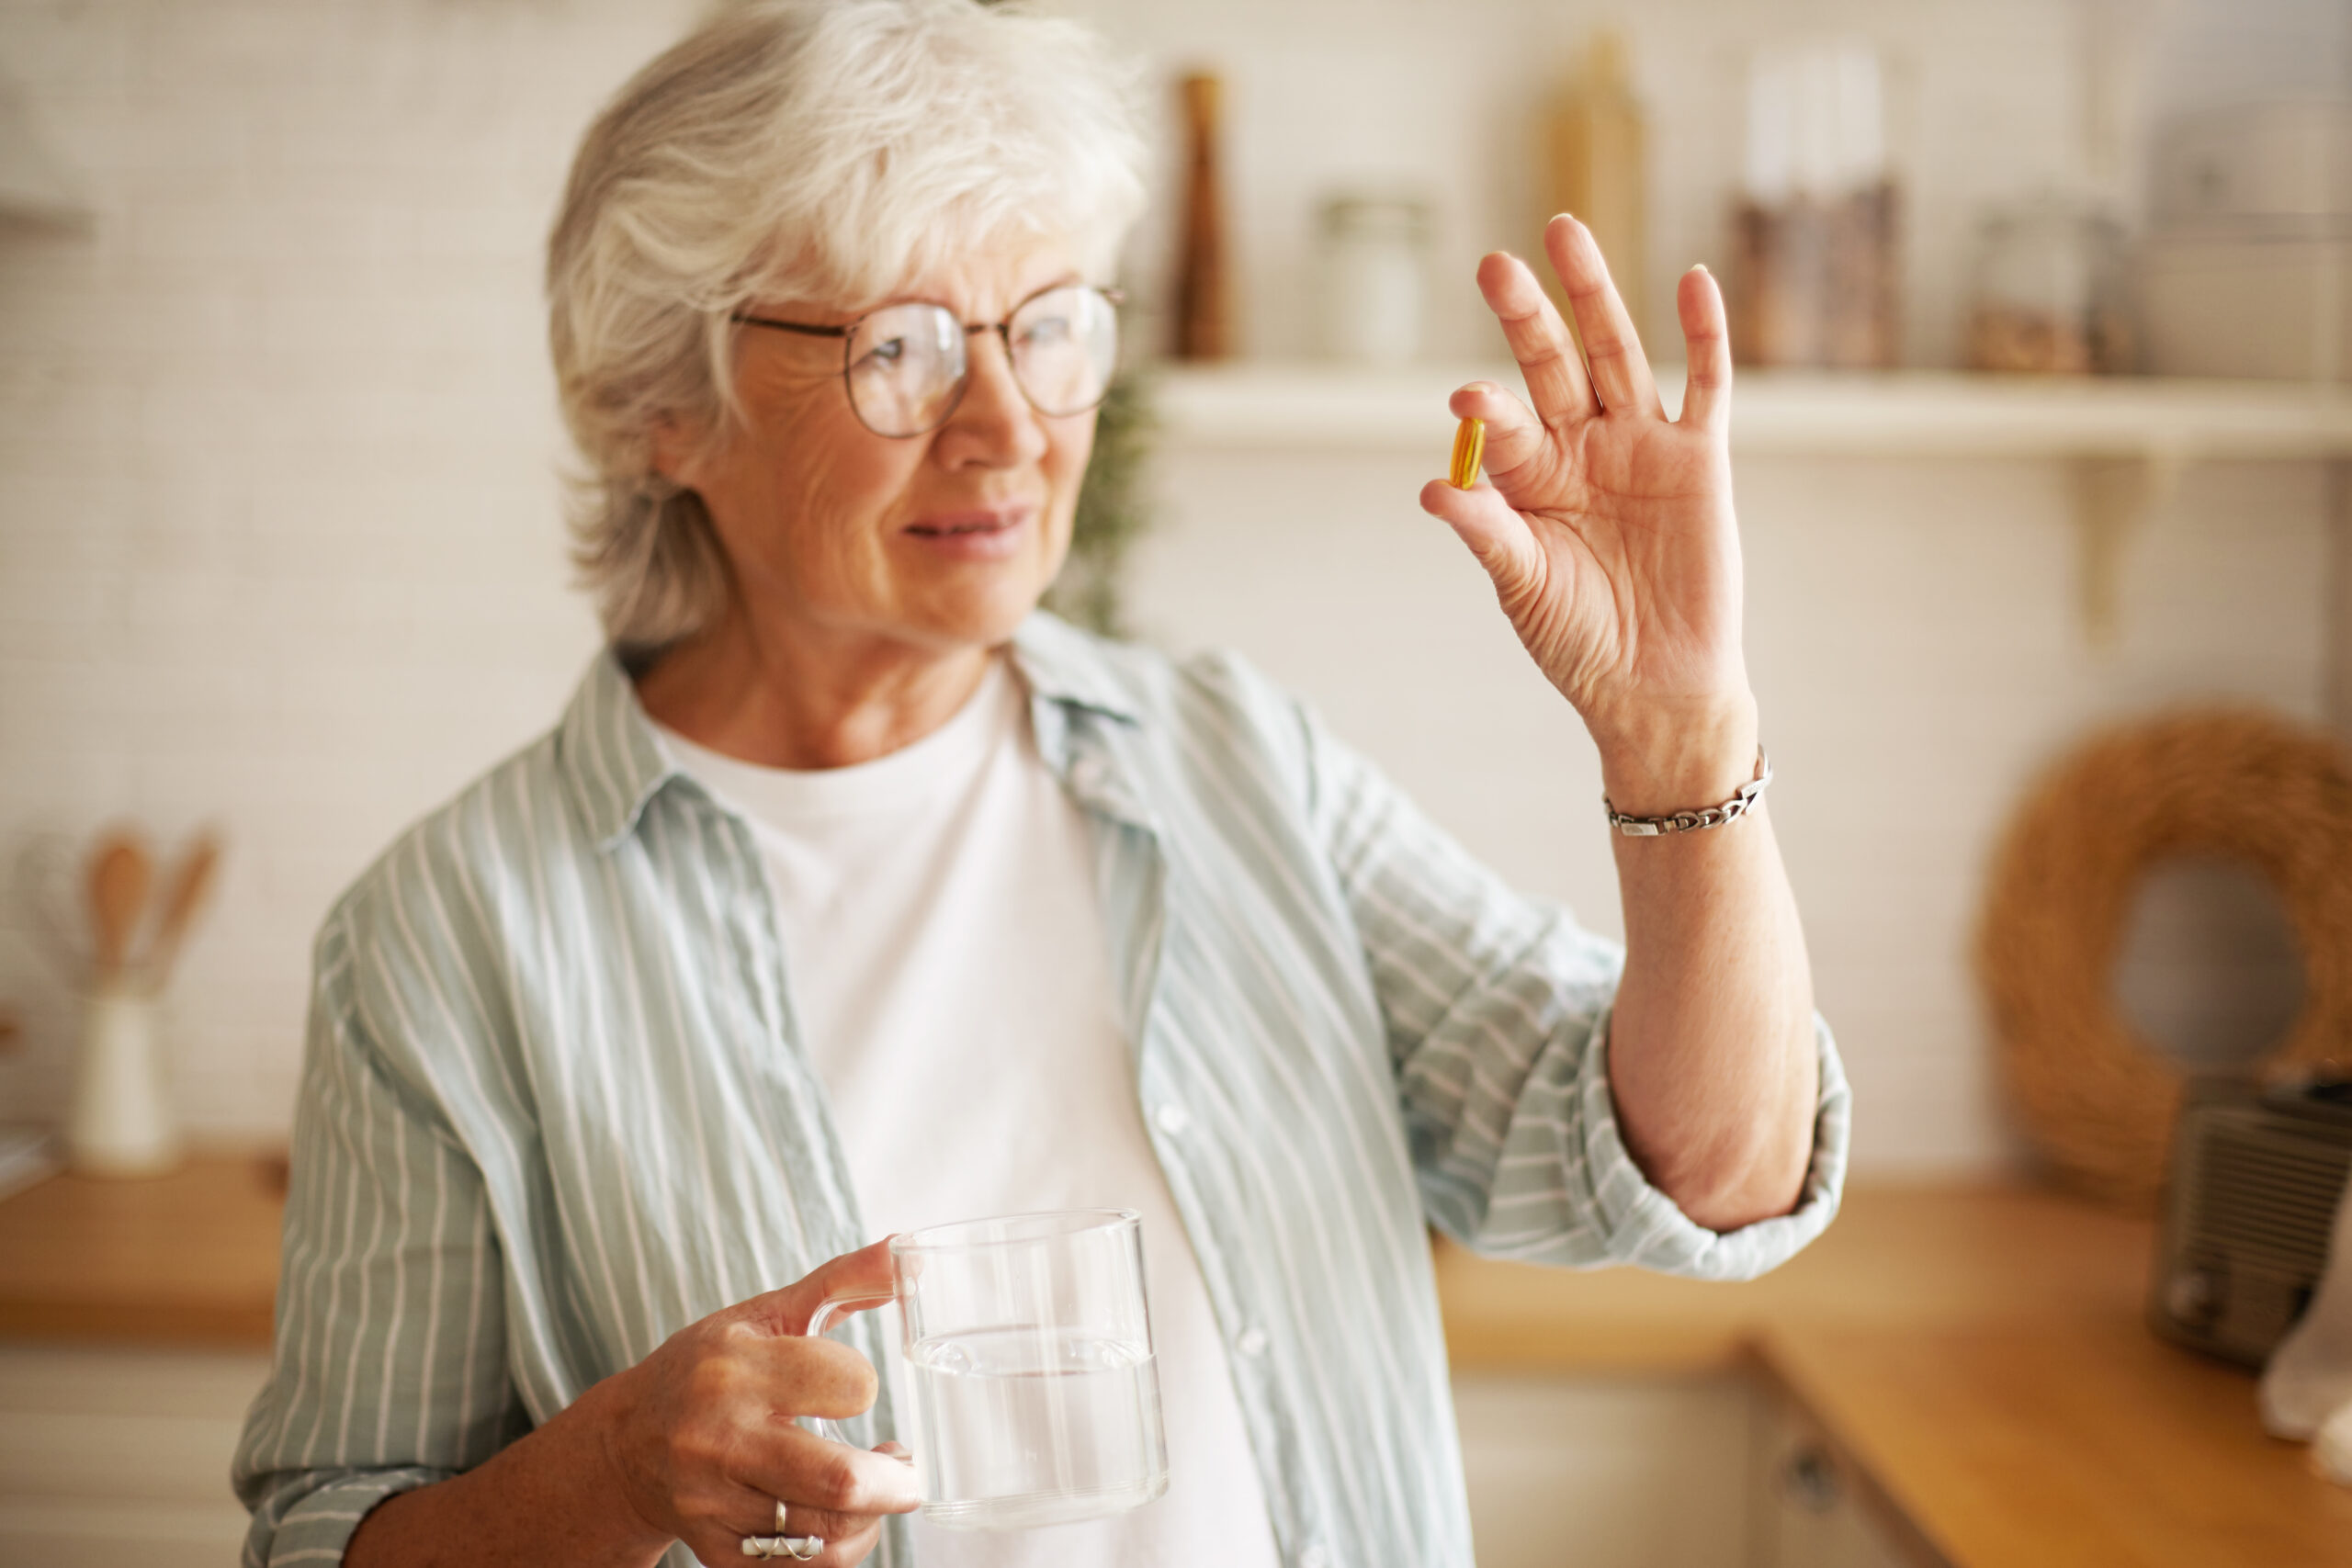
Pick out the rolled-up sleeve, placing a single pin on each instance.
(389, 1371)
(1497, 1006)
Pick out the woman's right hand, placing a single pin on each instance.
(702, 1436)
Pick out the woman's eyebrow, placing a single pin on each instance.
(1064, 281)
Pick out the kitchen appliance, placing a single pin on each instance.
(2249, 1204)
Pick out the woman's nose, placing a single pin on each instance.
(994, 425)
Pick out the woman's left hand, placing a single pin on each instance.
(1607, 528)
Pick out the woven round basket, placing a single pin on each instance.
(2095, 1098)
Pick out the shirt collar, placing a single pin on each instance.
(609, 751)
(1064, 665)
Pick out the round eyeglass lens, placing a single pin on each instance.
(906, 367)
(1064, 345)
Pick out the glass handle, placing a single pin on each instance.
(821, 1319)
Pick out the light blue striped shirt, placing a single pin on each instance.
(554, 1106)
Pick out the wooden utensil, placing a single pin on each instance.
(191, 881)
(120, 872)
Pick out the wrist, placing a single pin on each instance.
(550, 1495)
(1683, 757)
(602, 1417)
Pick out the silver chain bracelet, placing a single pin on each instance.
(1731, 810)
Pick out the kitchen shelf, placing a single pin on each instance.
(2123, 441)
(1900, 413)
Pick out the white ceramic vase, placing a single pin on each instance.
(121, 1122)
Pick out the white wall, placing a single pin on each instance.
(279, 541)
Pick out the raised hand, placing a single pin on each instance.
(1607, 528)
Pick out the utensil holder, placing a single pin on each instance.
(121, 1122)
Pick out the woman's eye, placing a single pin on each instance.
(890, 351)
(1046, 332)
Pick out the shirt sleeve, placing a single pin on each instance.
(1497, 1006)
(390, 1367)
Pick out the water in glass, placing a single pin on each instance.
(1035, 1425)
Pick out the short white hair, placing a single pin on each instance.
(818, 152)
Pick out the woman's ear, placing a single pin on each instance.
(676, 451)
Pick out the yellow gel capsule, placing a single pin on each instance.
(1469, 446)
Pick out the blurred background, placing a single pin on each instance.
(2048, 305)
(280, 543)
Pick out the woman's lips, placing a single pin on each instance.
(989, 532)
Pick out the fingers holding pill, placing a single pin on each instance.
(1608, 531)
(1517, 449)
(1496, 532)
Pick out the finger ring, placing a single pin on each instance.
(799, 1548)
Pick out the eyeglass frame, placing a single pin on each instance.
(1114, 297)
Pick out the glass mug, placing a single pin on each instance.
(1035, 1398)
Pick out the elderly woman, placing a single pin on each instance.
(852, 894)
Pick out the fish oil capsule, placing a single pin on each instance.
(1469, 447)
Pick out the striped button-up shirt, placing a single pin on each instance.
(554, 1106)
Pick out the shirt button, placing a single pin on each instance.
(1314, 1557)
(1172, 1119)
(1252, 1342)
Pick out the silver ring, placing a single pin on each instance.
(799, 1548)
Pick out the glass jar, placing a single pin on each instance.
(2051, 293)
(1374, 279)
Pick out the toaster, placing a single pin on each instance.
(2249, 1207)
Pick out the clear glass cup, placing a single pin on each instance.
(1028, 1351)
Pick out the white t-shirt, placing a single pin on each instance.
(952, 981)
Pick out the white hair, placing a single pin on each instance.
(824, 152)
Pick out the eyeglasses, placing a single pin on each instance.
(907, 365)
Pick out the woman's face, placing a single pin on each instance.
(940, 541)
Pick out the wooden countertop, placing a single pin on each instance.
(1976, 1361)
(1905, 1258)
(189, 1258)
(1973, 1357)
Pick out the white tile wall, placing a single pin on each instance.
(279, 541)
